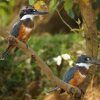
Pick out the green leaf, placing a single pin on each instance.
(52, 5)
(31, 2)
(68, 5)
(71, 13)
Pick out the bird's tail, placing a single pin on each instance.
(6, 52)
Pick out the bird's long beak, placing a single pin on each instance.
(93, 61)
(37, 12)
(41, 12)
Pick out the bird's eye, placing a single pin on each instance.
(88, 59)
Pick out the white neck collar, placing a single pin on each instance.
(83, 65)
(27, 16)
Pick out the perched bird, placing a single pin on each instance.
(76, 74)
(22, 29)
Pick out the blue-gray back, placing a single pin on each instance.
(70, 74)
(16, 28)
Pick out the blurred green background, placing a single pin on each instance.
(50, 39)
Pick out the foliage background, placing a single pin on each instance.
(18, 73)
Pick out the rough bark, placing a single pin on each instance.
(90, 30)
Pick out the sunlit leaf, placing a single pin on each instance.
(68, 5)
(31, 2)
(52, 5)
(40, 5)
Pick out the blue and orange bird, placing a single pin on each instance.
(22, 29)
(76, 74)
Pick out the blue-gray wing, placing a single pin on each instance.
(70, 74)
(16, 28)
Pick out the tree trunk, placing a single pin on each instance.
(90, 30)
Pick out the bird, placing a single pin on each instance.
(78, 72)
(23, 28)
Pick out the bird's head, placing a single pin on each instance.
(86, 61)
(30, 12)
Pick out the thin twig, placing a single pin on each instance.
(64, 20)
(73, 30)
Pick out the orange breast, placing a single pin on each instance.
(77, 79)
(23, 34)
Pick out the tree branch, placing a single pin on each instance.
(47, 71)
